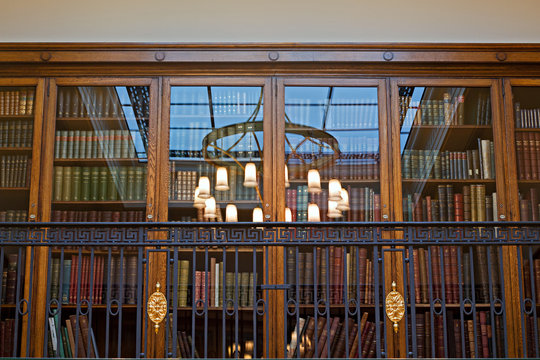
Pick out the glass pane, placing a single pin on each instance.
(216, 141)
(100, 153)
(447, 155)
(527, 132)
(332, 154)
(16, 135)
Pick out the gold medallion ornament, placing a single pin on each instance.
(156, 307)
(395, 306)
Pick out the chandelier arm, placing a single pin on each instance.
(229, 155)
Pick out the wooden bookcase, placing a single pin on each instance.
(504, 74)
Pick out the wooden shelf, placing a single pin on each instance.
(96, 118)
(140, 203)
(101, 161)
(182, 250)
(16, 117)
(529, 182)
(452, 181)
(350, 181)
(450, 127)
(14, 188)
(16, 149)
(527, 129)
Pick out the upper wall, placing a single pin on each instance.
(270, 21)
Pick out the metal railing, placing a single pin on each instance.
(330, 283)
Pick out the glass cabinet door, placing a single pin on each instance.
(447, 154)
(216, 153)
(100, 153)
(526, 106)
(332, 156)
(17, 106)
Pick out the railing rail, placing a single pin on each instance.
(334, 283)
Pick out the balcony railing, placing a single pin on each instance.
(258, 290)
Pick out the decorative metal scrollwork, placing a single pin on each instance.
(395, 306)
(156, 307)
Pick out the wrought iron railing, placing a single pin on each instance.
(254, 290)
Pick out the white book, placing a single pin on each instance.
(54, 339)
(216, 292)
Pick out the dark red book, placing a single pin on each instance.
(454, 283)
(448, 293)
(537, 150)
(534, 156)
(73, 280)
(526, 156)
(484, 333)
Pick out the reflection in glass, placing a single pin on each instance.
(527, 133)
(216, 143)
(100, 153)
(332, 143)
(447, 155)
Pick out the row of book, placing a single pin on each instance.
(16, 102)
(361, 338)
(331, 274)
(16, 133)
(99, 183)
(436, 261)
(83, 279)
(75, 339)
(209, 285)
(218, 218)
(14, 170)
(9, 278)
(357, 113)
(13, 215)
(472, 204)
(531, 279)
(528, 155)
(7, 336)
(81, 144)
(346, 167)
(450, 110)
(527, 118)
(183, 183)
(434, 164)
(183, 344)
(529, 208)
(364, 203)
(93, 102)
(96, 216)
(468, 338)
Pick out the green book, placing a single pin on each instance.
(130, 185)
(65, 342)
(82, 145)
(130, 145)
(59, 336)
(183, 282)
(76, 183)
(76, 143)
(85, 184)
(124, 144)
(55, 277)
(58, 174)
(94, 183)
(66, 184)
(66, 276)
(90, 145)
(118, 143)
(122, 182)
(70, 143)
(103, 182)
(63, 144)
(139, 183)
(111, 186)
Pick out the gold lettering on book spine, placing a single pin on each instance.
(156, 307)
(395, 306)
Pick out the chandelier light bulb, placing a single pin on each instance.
(204, 187)
(334, 190)
(343, 204)
(314, 181)
(333, 211)
(313, 213)
(198, 202)
(288, 215)
(257, 215)
(231, 213)
(222, 183)
(250, 175)
(287, 184)
(210, 209)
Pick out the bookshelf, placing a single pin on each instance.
(398, 109)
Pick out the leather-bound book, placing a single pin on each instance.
(536, 141)
(420, 332)
(520, 156)
(537, 278)
(314, 339)
(368, 338)
(448, 293)
(457, 338)
(533, 195)
(308, 279)
(212, 282)
(85, 332)
(299, 279)
(482, 315)
(439, 336)
(436, 272)
(533, 155)
(78, 341)
(480, 202)
(481, 275)
(291, 272)
(324, 336)
(450, 216)
(131, 280)
(454, 276)
(458, 207)
(416, 268)
(443, 208)
(423, 275)
(526, 157)
(11, 288)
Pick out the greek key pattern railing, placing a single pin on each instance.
(342, 289)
